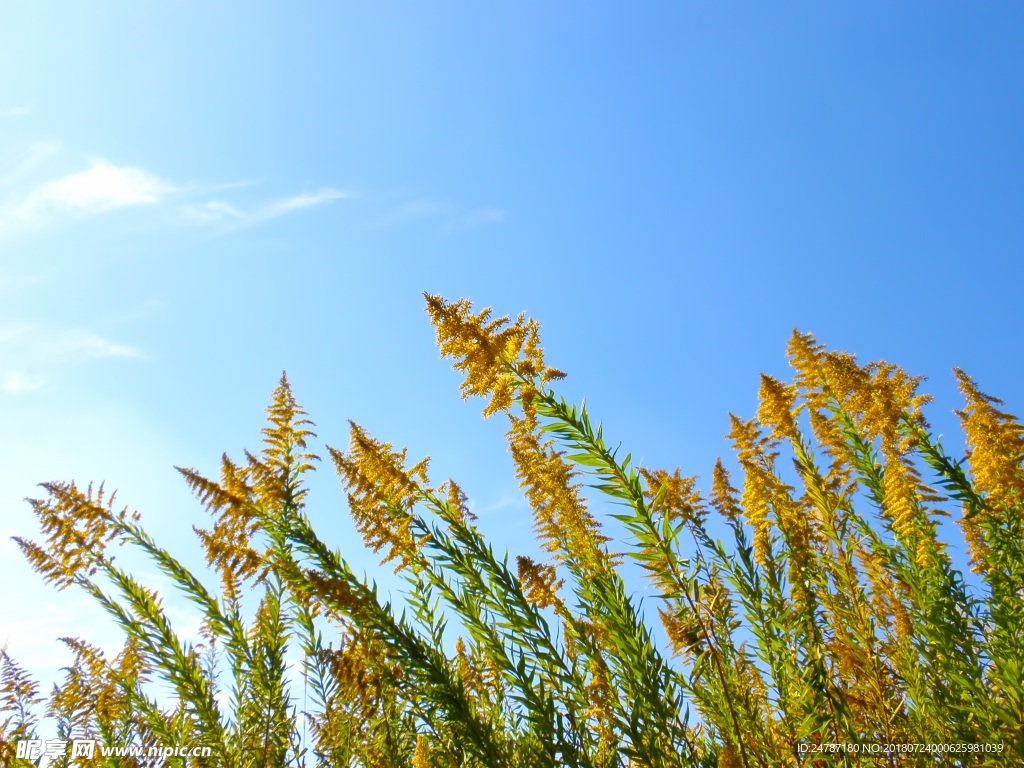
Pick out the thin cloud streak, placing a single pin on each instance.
(214, 210)
(221, 211)
(79, 343)
(28, 159)
(60, 345)
(36, 357)
(23, 110)
(307, 200)
(18, 383)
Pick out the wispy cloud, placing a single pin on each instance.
(306, 200)
(23, 110)
(85, 344)
(22, 161)
(101, 188)
(18, 383)
(35, 356)
(220, 211)
(214, 210)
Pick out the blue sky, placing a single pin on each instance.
(193, 199)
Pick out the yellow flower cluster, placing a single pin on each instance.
(673, 495)
(228, 544)
(751, 680)
(96, 692)
(381, 494)
(493, 354)
(284, 454)
(775, 408)
(995, 443)
(728, 757)
(883, 403)
(333, 593)
(755, 500)
(267, 484)
(888, 594)
(683, 632)
(723, 496)
(469, 675)
(995, 440)
(764, 493)
(878, 395)
(600, 697)
(561, 518)
(78, 525)
(421, 754)
(676, 498)
(457, 500)
(476, 673)
(540, 582)
(805, 356)
(364, 670)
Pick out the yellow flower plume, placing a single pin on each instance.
(995, 450)
(561, 518)
(492, 353)
(78, 526)
(540, 582)
(381, 494)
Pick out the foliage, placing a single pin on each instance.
(832, 613)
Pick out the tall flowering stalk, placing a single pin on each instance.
(829, 612)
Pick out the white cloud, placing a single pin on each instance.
(18, 383)
(60, 344)
(214, 210)
(35, 356)
(222, 212)
(79, 343)
(306, 200)
(103, 187)
(23, 110)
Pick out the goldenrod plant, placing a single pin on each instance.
(812, 612)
